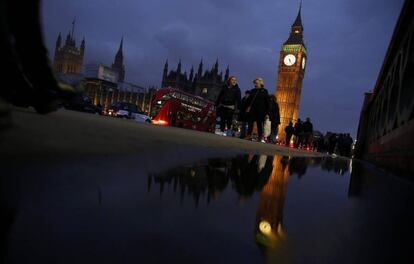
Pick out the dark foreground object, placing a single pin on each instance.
(24, 59)
(242, 209)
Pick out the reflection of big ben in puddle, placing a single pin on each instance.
(269, 229)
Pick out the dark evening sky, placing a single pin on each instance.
(346, 42)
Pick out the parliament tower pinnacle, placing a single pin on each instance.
(292, 64)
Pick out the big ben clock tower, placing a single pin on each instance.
(292, 65)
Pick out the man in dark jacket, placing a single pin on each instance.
(298, 132)
(307, 131)
(243, 116)
(228, 102)
(274, 117)
(289, 132)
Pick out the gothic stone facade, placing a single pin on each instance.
(118, 64)
(206, 84)
(68, 58)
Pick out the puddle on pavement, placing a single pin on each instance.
(246, 209)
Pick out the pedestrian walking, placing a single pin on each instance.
(258, 108)
(298, 132)
(307, 132)
(274, 116)
(348, 145)
(289, 130)
(243, 115)
(228, 102)
(332, 141)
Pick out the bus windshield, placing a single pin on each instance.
(158, 103)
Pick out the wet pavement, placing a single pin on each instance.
(239, 209)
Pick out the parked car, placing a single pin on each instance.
(142, 117)
(127, 111)
(82, 103)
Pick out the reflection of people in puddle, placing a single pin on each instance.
(261, 164)
(197, 181)
(252, 174)
(338, 165)
(269, 215)
(248, 173)
(298, 166)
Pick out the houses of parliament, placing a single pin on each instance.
(103, 84)
(68, 57)
(206, 84)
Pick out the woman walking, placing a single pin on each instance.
(258, 108)
(227, 103)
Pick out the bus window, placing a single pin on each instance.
(186, 98)
(176, 95)
(159, 103)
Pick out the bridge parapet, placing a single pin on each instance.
(386, 127)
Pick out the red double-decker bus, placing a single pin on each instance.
(173, 107)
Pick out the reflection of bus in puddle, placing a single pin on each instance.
(173, 107)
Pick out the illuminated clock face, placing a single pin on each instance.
(303, 63)
(265, 227)
(289, 60)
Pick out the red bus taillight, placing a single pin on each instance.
(160, 122)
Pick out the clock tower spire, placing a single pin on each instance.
(291, 72)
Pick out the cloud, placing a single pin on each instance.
(176, 39)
